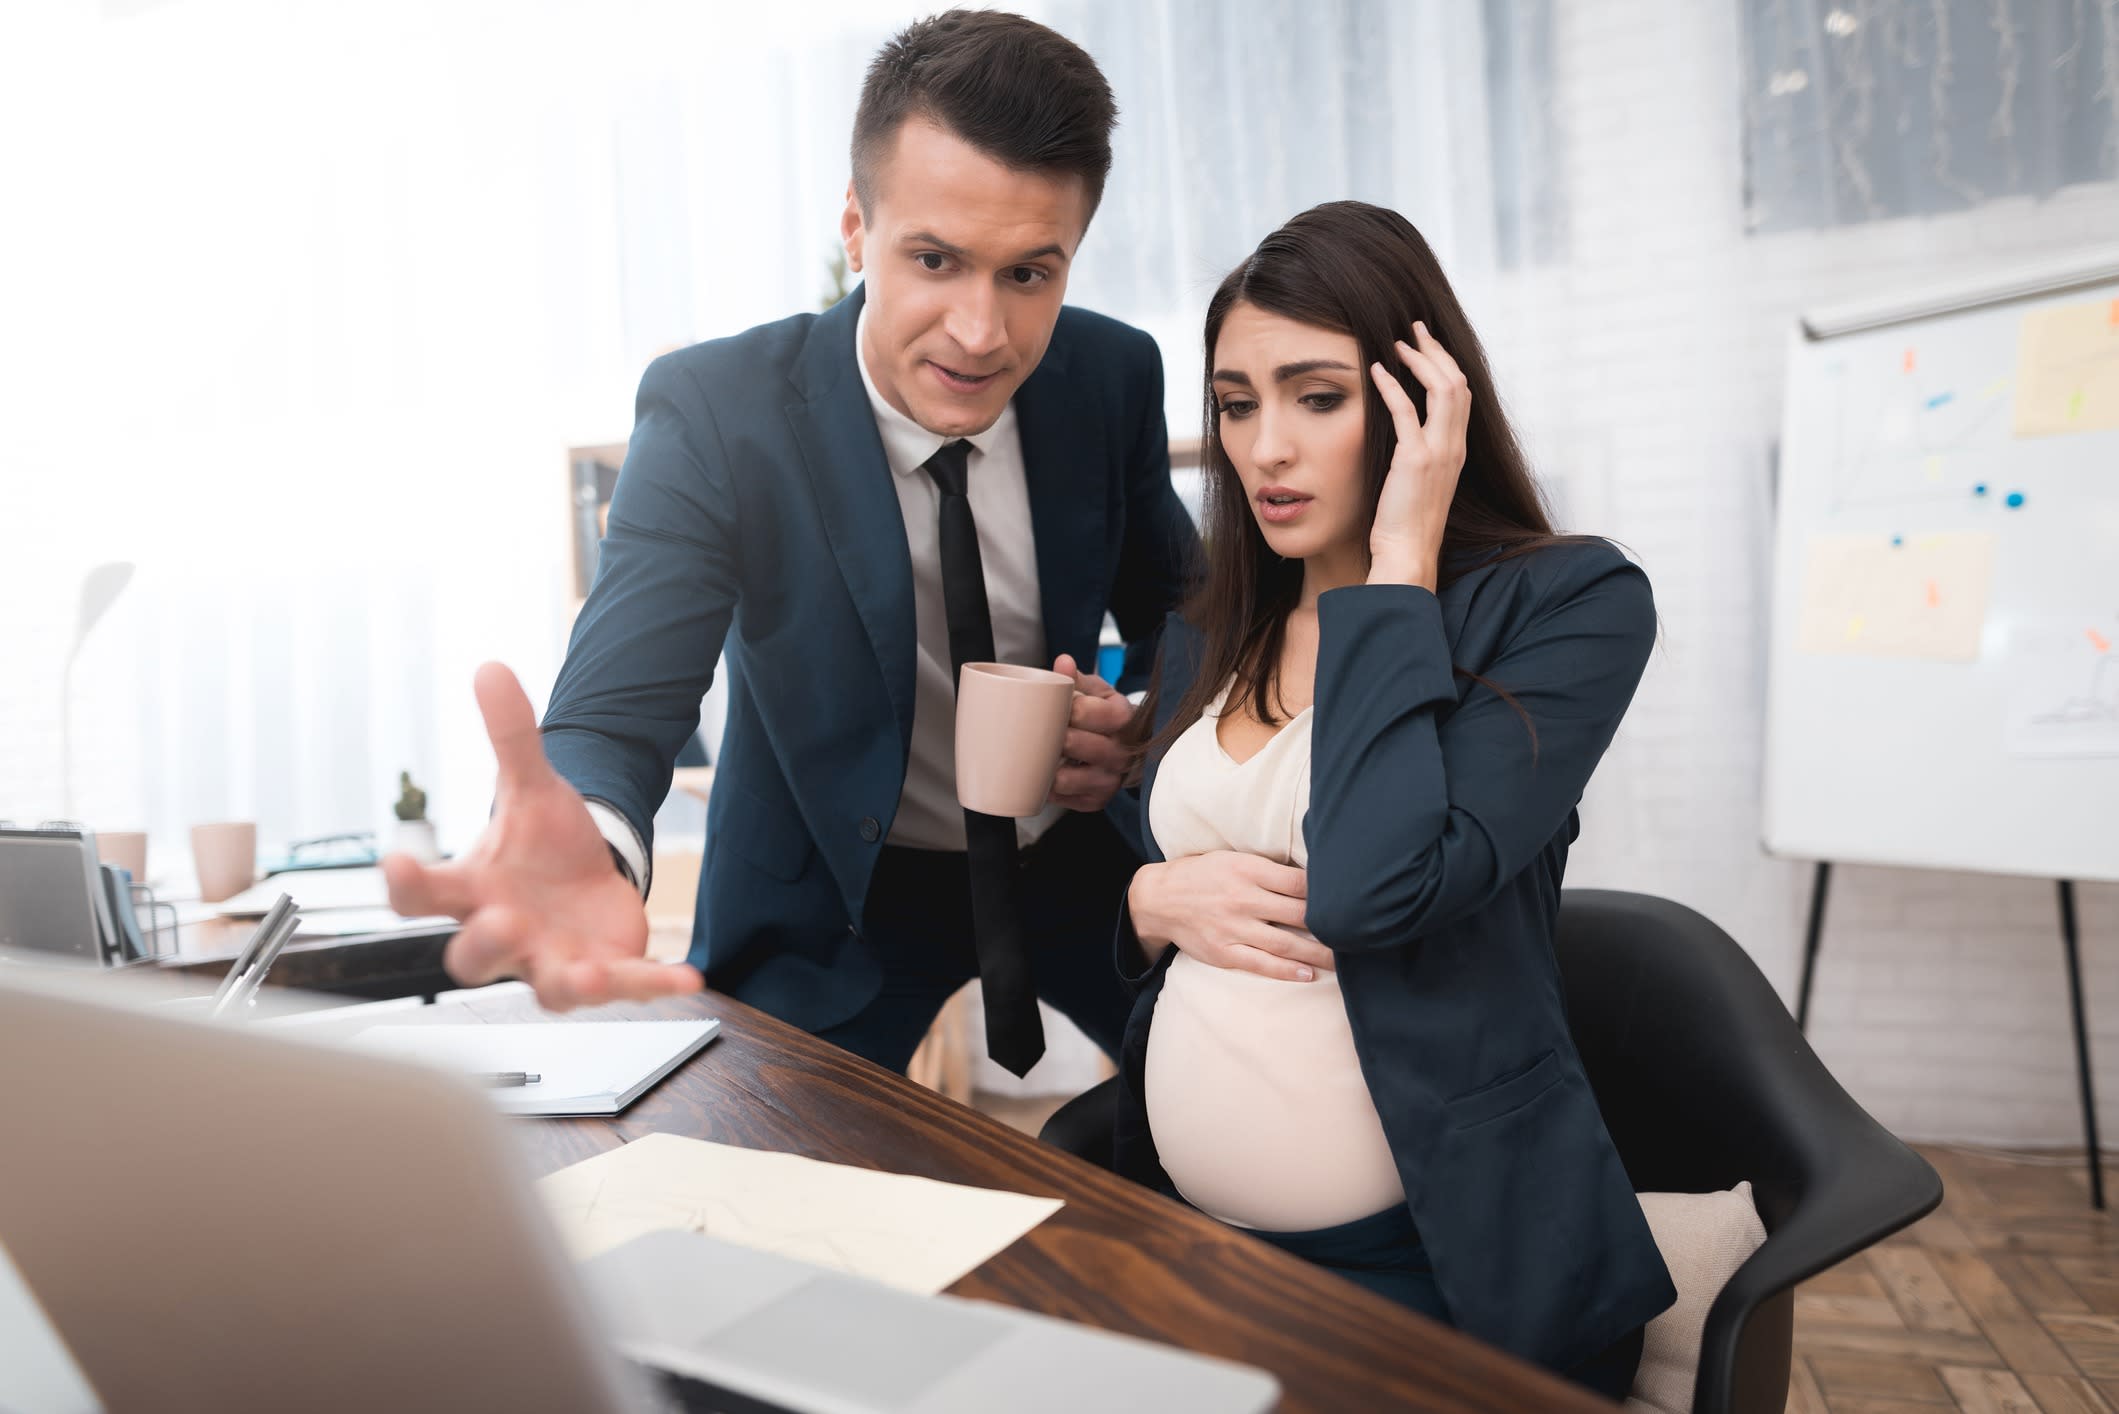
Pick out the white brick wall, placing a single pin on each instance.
(1647, 372)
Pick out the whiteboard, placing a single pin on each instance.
(1943, 670)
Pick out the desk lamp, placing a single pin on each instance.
(99, 590)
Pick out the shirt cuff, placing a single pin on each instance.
(627, 851)
(1134, 966)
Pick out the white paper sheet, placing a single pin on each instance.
(313, 891)
(912, 1233)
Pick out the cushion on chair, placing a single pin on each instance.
(1704, 1238)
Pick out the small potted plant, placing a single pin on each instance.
(836, 269)
(415, 834)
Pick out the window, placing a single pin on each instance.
(1871, 109)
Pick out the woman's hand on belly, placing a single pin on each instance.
(1231, 910)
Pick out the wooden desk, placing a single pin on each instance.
(1116, 1256)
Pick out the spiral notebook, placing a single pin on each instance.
(583, 1067)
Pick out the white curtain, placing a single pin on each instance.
(1236, 114)
(313, 301)
(317, 297)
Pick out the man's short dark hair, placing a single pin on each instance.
(1029, 98)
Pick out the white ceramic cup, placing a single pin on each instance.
(127, 849)
(226, 857)
(1010, 724)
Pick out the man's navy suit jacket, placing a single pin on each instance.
(756, 522)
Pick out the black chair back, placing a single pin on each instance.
(1705, 1081)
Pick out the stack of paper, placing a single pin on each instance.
(312, 890)
(361, 922)
(333, 903)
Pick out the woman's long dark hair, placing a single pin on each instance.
(1364, 271)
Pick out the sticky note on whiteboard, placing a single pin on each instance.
(2067, 370)
(1923, 598)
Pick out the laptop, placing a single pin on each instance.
(730, 1321)
(238, 1218)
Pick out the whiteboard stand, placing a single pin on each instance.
(2082, 1041)
(1821, 883)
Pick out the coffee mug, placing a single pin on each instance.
(127, 849)
(226, 857)
(1010, 724)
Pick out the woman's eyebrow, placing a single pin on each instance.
(1309, 365)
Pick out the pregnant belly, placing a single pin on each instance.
(1257, 1103)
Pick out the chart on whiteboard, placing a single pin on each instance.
(1932, 443)
(2064, 689)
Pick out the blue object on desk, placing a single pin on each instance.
(352, 850)
(1110, 661)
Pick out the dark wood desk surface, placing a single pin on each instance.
(1116, 1256)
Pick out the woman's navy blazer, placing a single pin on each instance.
(1439, 820)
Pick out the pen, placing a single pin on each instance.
(512, 1077)
(270, 953)
(272, 933)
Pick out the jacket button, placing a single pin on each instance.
(870, 830)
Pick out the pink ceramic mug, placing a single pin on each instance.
(1010, 724)
(226, 856)
(125, 848)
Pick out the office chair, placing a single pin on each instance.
(1704, 1082)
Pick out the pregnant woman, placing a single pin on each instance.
(1369, 731)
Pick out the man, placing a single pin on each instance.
(946, 467)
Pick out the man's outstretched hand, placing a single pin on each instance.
(538, 895)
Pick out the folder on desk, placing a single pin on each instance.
(583, 1067)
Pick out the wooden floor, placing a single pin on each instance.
(2004, 1299)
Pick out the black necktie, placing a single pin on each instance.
(1015, 1037)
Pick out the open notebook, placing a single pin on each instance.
(584, 1067)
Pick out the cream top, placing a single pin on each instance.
(1254, 1094)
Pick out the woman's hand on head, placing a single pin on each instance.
(1405, 543)
(1231, 910)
